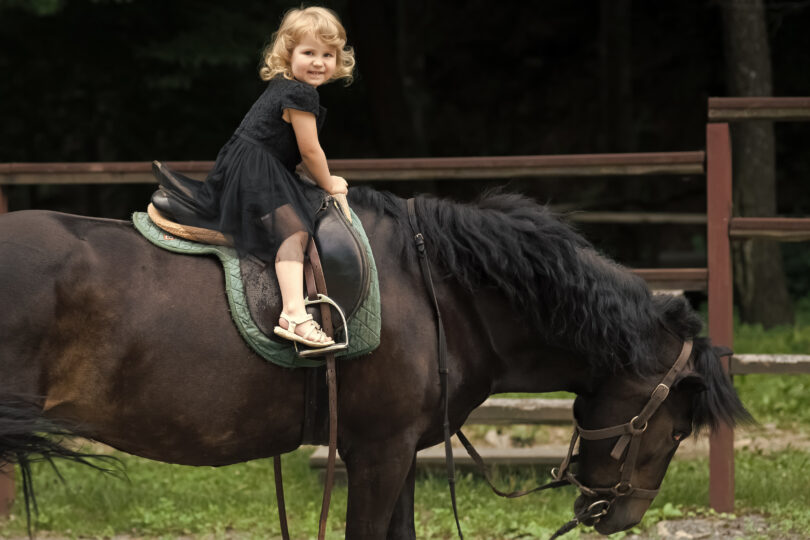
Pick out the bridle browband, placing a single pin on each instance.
(629, 433)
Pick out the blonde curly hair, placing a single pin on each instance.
(319, 22)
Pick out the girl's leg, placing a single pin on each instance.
(290, 273)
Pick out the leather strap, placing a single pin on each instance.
(313, 275)
(282, 510)
(629, 434)
(316, 402)
(479, 462)
(331, 380)
(419, 241)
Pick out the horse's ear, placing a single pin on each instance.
(721, 351)
(691, 382)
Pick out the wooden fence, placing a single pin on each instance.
(715, 162)
(722, 228)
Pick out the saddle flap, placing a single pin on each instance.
(344, 259)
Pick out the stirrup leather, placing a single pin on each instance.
(306, 352)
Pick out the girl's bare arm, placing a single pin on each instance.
(312, 155)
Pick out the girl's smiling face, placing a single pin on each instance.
(312, 61)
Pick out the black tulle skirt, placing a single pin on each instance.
(257, 199)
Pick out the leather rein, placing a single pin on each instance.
(625, 451)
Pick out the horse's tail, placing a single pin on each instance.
(26, 437)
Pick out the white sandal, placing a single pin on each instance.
(289, 332)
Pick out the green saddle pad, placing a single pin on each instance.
(364, 325)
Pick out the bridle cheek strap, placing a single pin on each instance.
(629, 434)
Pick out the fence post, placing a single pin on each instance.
(721, 297)
(7, 470)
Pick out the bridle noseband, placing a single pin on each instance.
(629, 434)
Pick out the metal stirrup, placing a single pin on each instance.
(319, 351)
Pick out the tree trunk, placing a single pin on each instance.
(758, 274)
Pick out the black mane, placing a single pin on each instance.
(571, 294)
(564, 288)
(718, 402)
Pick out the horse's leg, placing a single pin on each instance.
(401, 526)
(377, 473)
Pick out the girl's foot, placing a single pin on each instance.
(303, 330)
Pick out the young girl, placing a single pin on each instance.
(253, 189)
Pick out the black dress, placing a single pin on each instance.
(253, 190)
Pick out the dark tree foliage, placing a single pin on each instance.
(135, 80)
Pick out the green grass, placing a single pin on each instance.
(166, 501)
(780, 399)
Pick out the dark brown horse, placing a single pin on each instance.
(134, 346)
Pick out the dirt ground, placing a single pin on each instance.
(712, 528)
(751, 527)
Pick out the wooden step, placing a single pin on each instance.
(770, 363)
(433, 457)
(506, 411)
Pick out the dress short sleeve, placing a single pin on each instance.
(300, 96)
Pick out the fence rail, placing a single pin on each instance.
(736, 109)
(782, 229)
(455, 168)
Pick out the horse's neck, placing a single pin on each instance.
(524, 360)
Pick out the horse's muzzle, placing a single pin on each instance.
(590, 511)
(619, 515)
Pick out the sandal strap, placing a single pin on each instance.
(320, 334)
(293, 323)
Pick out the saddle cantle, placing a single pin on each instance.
(344, 259)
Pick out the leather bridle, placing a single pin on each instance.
(629, 433)
(625, 451)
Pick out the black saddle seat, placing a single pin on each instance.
(343, 255)
(177, 184)
(176, 196)
(178, 210)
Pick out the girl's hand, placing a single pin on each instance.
(339, 185)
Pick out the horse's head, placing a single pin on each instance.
(630, 427)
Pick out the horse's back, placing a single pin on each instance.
(42, 238)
